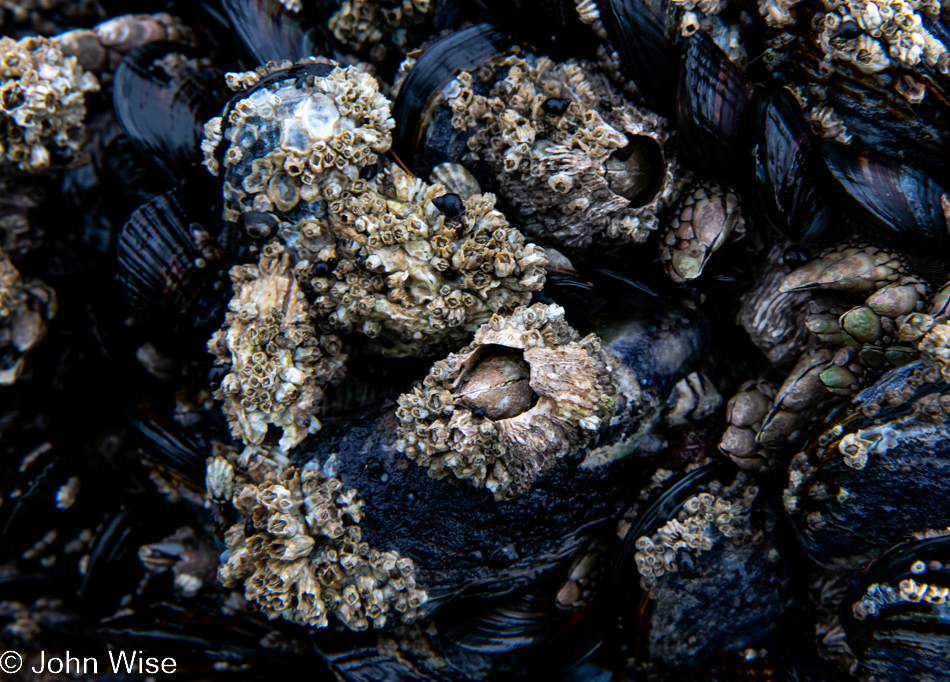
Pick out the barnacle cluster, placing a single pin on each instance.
(26, 307)
(299, 550)
(873, 36)
(283, 142)
(42, 103)
(575, 159)
(919, 406)
(777, 13)
(278, 363)
(415, 276)
(380, 252)
(907, 590)
(704, 520)
(505, 409)
(363, 24)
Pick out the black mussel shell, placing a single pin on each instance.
(644, 34)
(741, 586)
(163, 94)
(877, 473)
(270, 33)
(462, 540)
(420, 139)
(790, 173)
(714, 95)
(361, 658)
(208, 640)
(167, 280)
(525, 618)
(459, 537)
(897, 619)
(903, 200)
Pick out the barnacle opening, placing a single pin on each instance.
(636, 170)
(498, 384)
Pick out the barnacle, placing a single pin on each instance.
(42, 103)
(704, 520)
(363, 24)
(507, 408)
(578, 161)
(887, 33)
(284, 139)
(278, 364)
(858, 267)
(299, 550)
(413, 276)
(26, 307)
(106, 43)
(377, 253)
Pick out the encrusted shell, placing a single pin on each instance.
(278, 364)
(42, 102)
(578, 162)
(573, 395)
(299, 550)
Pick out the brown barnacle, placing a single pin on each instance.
(935, 349)
(278, 367)
(42, 103)
(26, 307)
(502, 411)
(801, 396)
(581, 166)
(693, 398)
(705, 217)
(299, 552)
(850, 268)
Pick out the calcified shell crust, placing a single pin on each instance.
(26, 307)
(42, 102)
(573, 395)
(577, 161)
(375, 254)
(298, 547)
(278, 363)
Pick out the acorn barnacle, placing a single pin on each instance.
(505, 409)
(578, 162)
(371, 244)
(42, 103)
(278, 363)
(299, 551)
